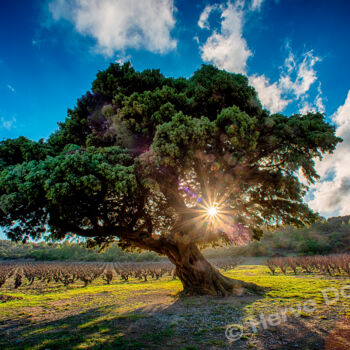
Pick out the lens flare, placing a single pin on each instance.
(210, 214)
(212, 211)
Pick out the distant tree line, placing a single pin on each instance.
(330, 236)
(324, 237)
(70, 251)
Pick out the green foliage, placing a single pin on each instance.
(322, 237)
(20, 150)
(60, 191)
(115, 167)
(239, 127)
(176, 141)
(330, 236)
(310, 246)
(71, 251)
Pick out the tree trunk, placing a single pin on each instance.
(199, 277)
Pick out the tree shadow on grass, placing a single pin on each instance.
(307, 333)
(339, 337)
(294, 333)
(188, 323)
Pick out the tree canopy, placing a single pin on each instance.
(143, 157)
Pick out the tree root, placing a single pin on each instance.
(224, 287)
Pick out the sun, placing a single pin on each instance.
(212, 211)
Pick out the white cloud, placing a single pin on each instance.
(270, 95)
(295, 80)
(121, 59)
(204, 16)
(331, 195)
(228, 49)
(121, 24)
(316, 106)
(298, 77)
(305, 106)
(319, 100)
(7, 124)
(256, 5)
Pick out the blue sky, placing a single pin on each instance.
(295, 53)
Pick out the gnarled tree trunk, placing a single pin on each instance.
(199, 277)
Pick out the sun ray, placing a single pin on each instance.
(210, 214)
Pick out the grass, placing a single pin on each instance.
(137, 314)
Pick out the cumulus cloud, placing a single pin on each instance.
(7, 123)
(121, 24)
(331, 195)
(227, 49)
(270, 95)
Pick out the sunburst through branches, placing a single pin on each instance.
(212, 216)
(212, 211)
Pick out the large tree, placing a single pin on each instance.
(168, 165)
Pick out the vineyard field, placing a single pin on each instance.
(138, 306)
